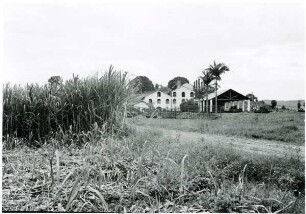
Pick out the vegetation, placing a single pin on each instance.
(207, 79)
(216, 70)
(172, 84)
(143, 84)
(287, 127)
(91, 158)
(164, 89)
(55, 80)
(149, 172)
(252, 97)
(36, 113)
(189, 106)
(273, 104)
(299, 105)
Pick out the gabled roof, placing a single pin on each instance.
(141, 101)
(136, 98)
(227, 94)
(188, 86)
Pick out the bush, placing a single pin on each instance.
(189, 106)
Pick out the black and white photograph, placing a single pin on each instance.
(153, 106)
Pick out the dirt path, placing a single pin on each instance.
(254, 146)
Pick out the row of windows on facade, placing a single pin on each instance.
(167, 101)
(174, 94)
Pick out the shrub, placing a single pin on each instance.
(189, 106)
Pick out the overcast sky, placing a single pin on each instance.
(262, 42)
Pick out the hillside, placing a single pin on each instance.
(291, 104)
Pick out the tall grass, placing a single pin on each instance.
(148, 172)
(35, 112)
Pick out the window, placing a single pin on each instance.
(158, 101)
(183, 94)
(174, 101)
(158, 94)
(174, 94)
(167, 101)
(150, 100)
(191, 94)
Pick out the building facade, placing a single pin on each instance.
(171, 101)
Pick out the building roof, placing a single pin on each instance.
(188, 86)
(136, 98)
(141, 101)
(227, 94)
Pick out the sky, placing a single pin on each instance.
(262, 42)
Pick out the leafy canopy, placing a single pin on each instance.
(217, 69)
(172, 84)
(189, 106)
(143, 84)
(273, 104)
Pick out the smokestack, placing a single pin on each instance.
(199, 83)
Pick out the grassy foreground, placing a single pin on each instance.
(148, 172)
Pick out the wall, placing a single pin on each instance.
(163, 97)
(179, 97)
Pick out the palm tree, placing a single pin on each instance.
(207, 79)
(216, 70)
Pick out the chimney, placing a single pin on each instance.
(199, 80)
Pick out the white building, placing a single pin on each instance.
(182, 94)
(169, 102)
(158, 99)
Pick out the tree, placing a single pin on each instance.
(164, 89)
(261, 102)
(172, 84)
(143, 84)
(55, 82)
(283, 107)
(273, 104)
(252, 97)
(156, 86)
(299, 105)
(216, 70)
(189, 106)
(207, 78)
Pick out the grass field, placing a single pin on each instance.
(283, 126)
(147, 171)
